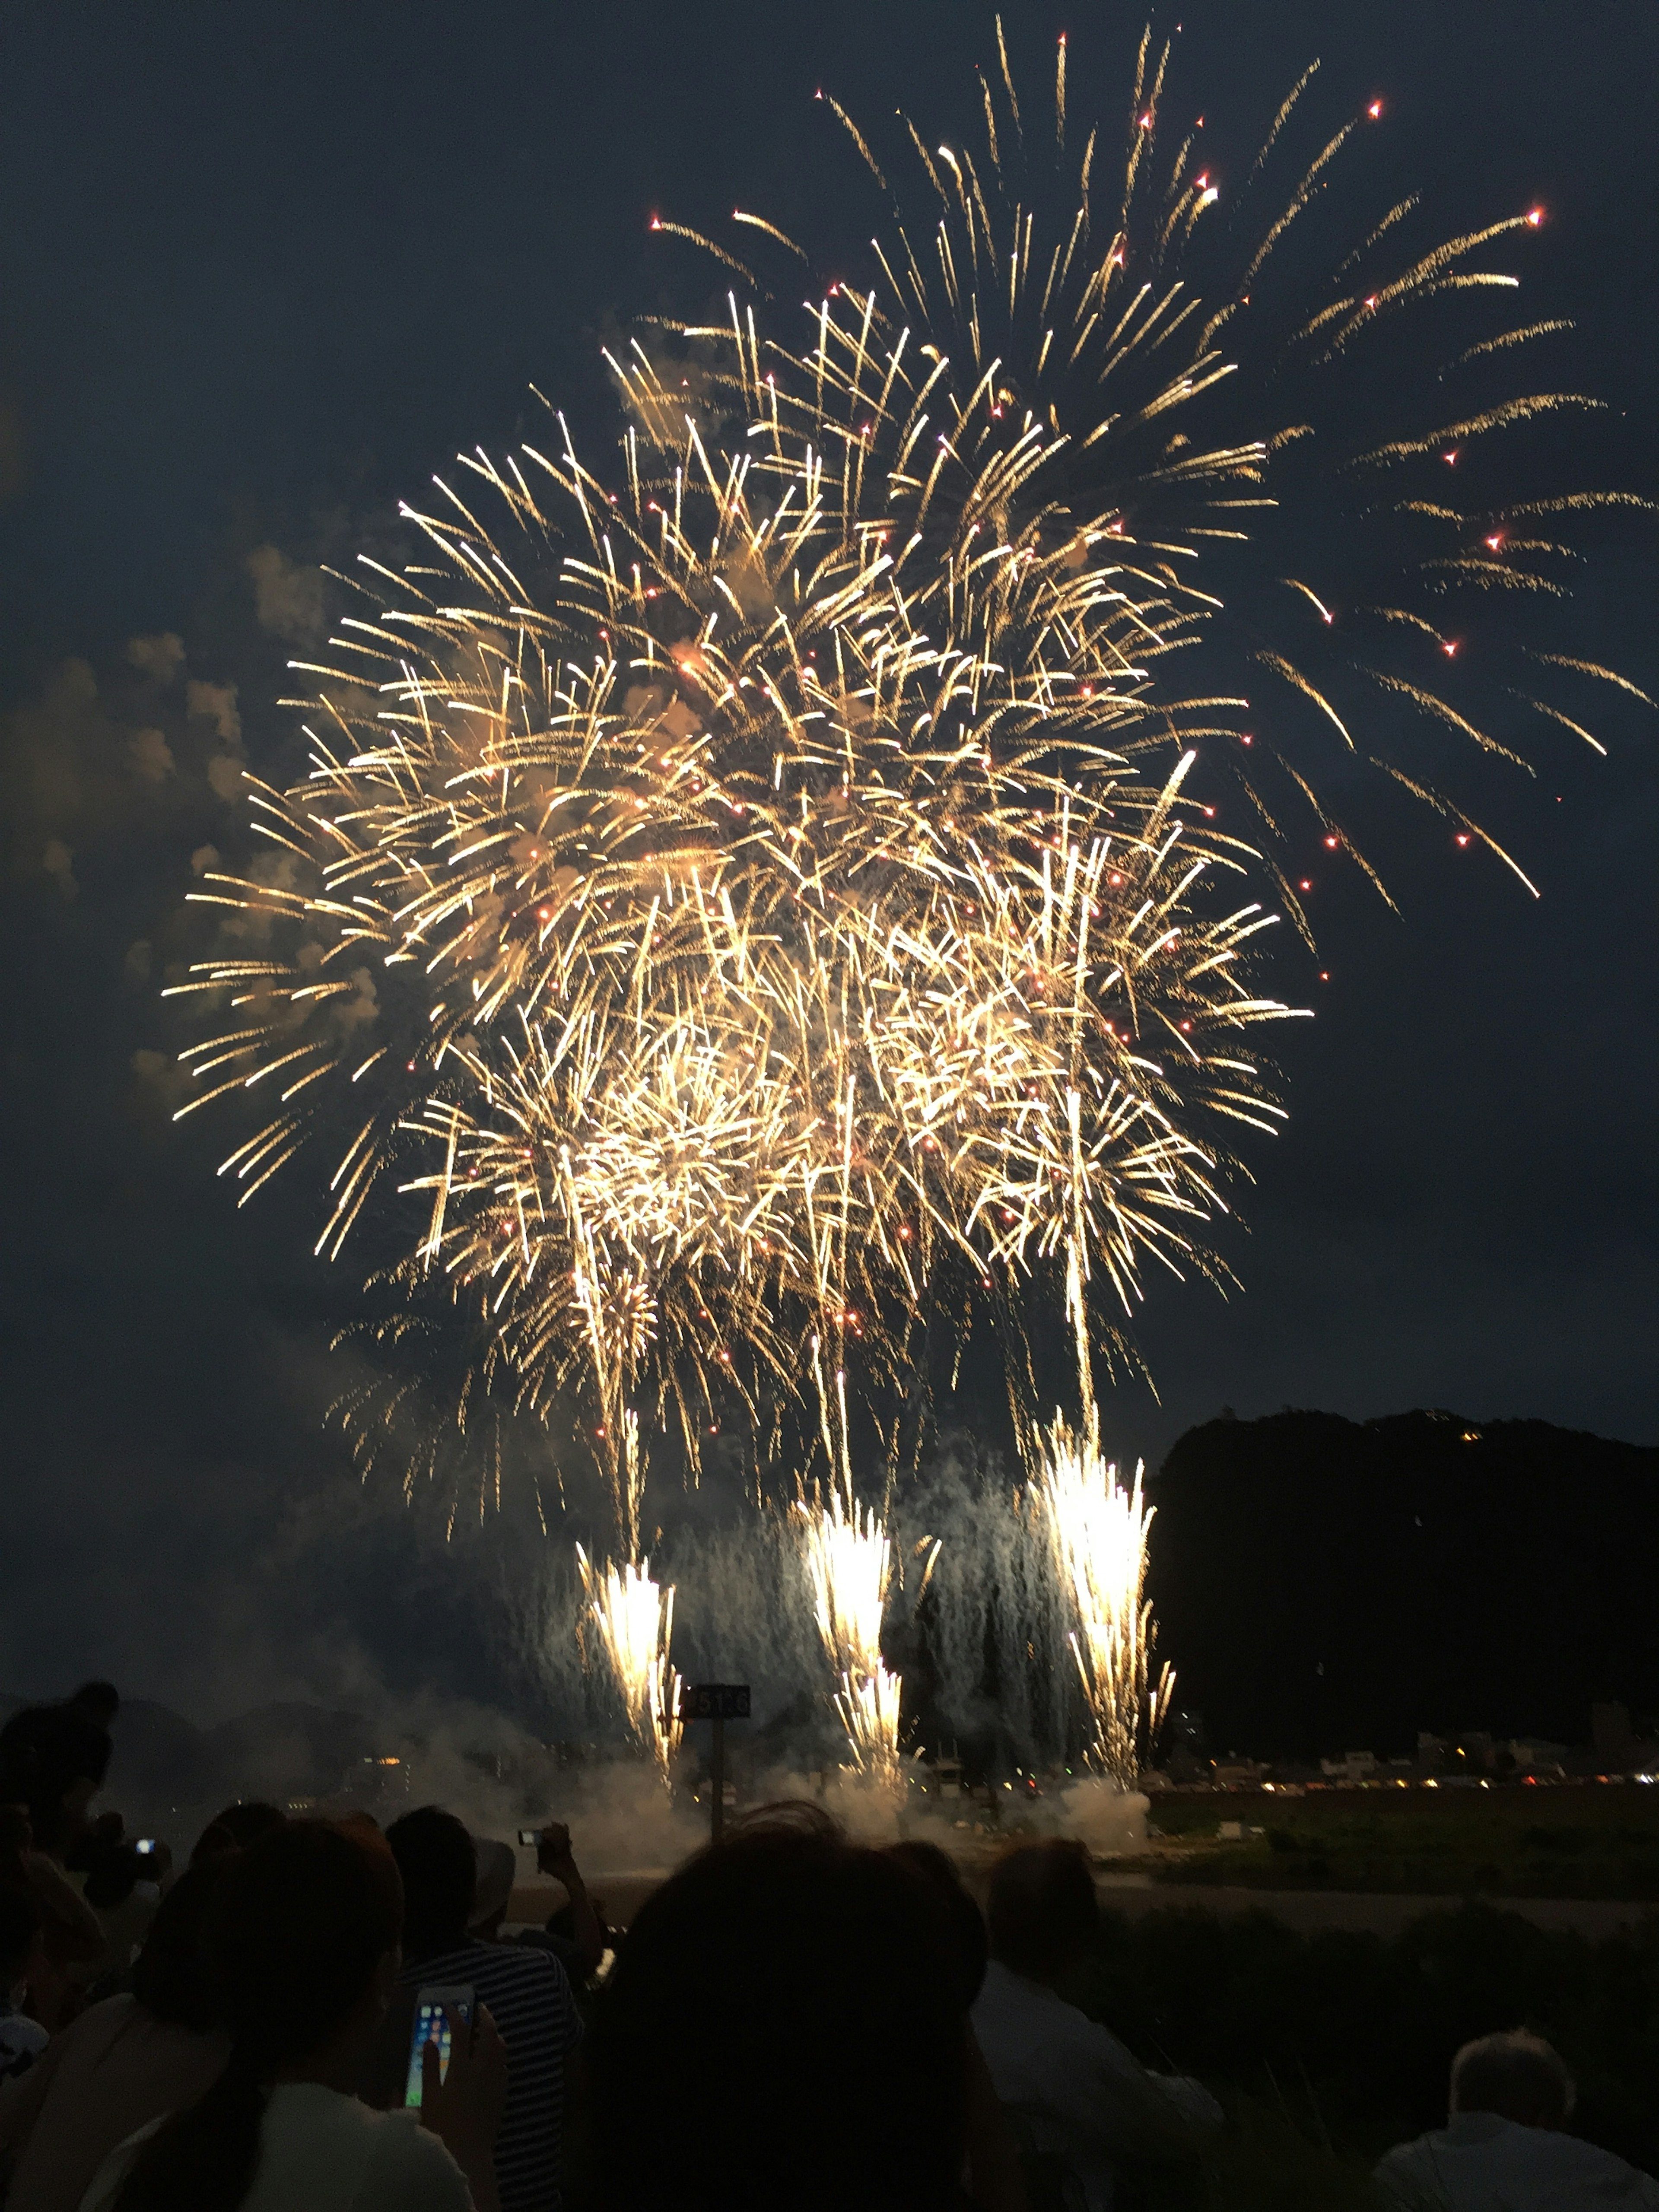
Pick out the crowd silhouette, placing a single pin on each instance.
(315, 2014)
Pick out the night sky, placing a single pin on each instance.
(262, 271)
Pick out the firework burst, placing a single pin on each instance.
(752, 896)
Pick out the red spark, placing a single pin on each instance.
(656, 222)
(1305, 884)
(1462, 837)
(1449, 647)
(1374, 110)
(1496, 540)
(1450, 457)
(1332, 844)
(1534, 216)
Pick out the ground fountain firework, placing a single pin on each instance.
(761, 895)
(1097, 1530)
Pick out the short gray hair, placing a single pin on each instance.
(1518, 2076)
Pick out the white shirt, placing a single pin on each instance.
(323, 2151)
(1087, 2099)
(1480, 2163)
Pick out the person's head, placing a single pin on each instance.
(236, 1828)
(56, 1767)
(99, 1701)
(1043, 1911)
(435, 1858)
(795, 1994)
(172, 1976)
(1518, 2076)
(301, 1937)
(495, 1866)
(20, 1943)
(965, 1922)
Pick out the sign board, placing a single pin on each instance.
(714, 1701)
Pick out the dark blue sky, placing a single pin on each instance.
(262, 271)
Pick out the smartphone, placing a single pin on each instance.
(433, 2007)
(145, 1846)
(529, 1838)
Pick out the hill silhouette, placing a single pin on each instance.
(1324, 1584)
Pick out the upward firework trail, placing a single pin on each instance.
(772, 890)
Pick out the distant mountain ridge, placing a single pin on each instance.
(1323, 1584)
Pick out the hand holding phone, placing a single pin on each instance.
(465, 2111)
(443, 2015)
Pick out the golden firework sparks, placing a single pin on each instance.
(1097, 1530)
(736, 900)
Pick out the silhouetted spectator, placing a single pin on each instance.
(236, 1828)
(53, 1760)
(781, 2028)
(1504, 2148)
(301, 1936)
(969, 1944)
(994, 2180)
(72, 1935)
(526, 1991)
(574, 1933)
(21, 2038)
(1085, 2098)
(123, 2063)
(99, 1701)
(123, 1887)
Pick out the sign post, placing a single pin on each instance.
(716, 1702)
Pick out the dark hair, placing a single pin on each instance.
(795, 1993)
(44, 1750)
(19, 1925)
(1517, 2076)
(1044, 1910)
(99, 1701)
(171, 1976)
(439, 1869)
(292, 1934)
(236, 1828)
(965, 1923)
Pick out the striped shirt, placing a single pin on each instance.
(529, 2001)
